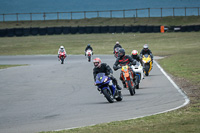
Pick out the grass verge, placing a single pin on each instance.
(166, 21)
(7, 66)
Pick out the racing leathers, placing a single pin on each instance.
(137, 58)
(125, 60)
(87, 48)
(147, 51)
(104, 68)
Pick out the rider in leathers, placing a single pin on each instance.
(124, 60)
(146, 50)
(104, 68)
(88, 47)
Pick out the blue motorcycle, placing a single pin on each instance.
(109, 91)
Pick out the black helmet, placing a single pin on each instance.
(121, 53)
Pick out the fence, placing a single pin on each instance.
(144, 12)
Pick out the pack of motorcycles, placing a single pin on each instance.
(131, 83)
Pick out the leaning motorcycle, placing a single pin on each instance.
(127, 76)
(110, 92)
(138, 69)
(147, 64)
(62, 56)
(89, 54)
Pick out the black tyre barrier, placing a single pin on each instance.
(104, 29)
(89, 29)
(119, 29)
(74, 30)
(81, 30)
(58, 30)
(149, 29)
(34, 31)
(111, 29)
(27, 31)
(156, 29)
(142, 29)
(190, 28)
(197, 28)
(135, 28)
(19, 31)
(127, 29)
(183, 28)
(96, 29)
(50, 30)
(66, 30)
(10, 32)
(3, 32)
(42, 31)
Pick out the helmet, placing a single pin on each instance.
(88, 45)
(97, 62)
(61, 47)
(146, 47)
(117, 42)
(121, 53)
(134, 52)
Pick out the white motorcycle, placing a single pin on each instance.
(89, 54)
(138, 69)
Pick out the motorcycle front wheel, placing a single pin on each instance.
(108, 95)
(131, 88)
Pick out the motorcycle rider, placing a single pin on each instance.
(116, 45)
(87, 48)
(124, 60)
(146, 50)
(135, 56)
(60, 49)
(104, 68)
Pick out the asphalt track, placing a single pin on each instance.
(46, 95)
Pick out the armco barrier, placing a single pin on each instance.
(34, 31)
(58, 30)
(42, 31)
(3, 32)
(19, 32)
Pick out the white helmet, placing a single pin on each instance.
(61, 47)
(146, 46)
(117, 42)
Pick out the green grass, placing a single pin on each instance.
(183, 60)
(7, 66)
(167, 21)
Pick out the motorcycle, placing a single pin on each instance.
(116, 52)
(128, 77)
(62, 56)
(147, 64)
(110, 92)
(138, 69)
(89, 54)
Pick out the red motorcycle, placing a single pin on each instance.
(62, 56)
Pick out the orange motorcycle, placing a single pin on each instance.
(128, 76)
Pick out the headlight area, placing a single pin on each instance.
(105, 80)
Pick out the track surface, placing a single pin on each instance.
(48, 96)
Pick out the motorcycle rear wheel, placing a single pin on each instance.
(119, 98)
(108, 95)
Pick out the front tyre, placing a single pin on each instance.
(120, 97)
(131, 88)
(89, 58)
(62, 60)
(108, 95)
(147, 69)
